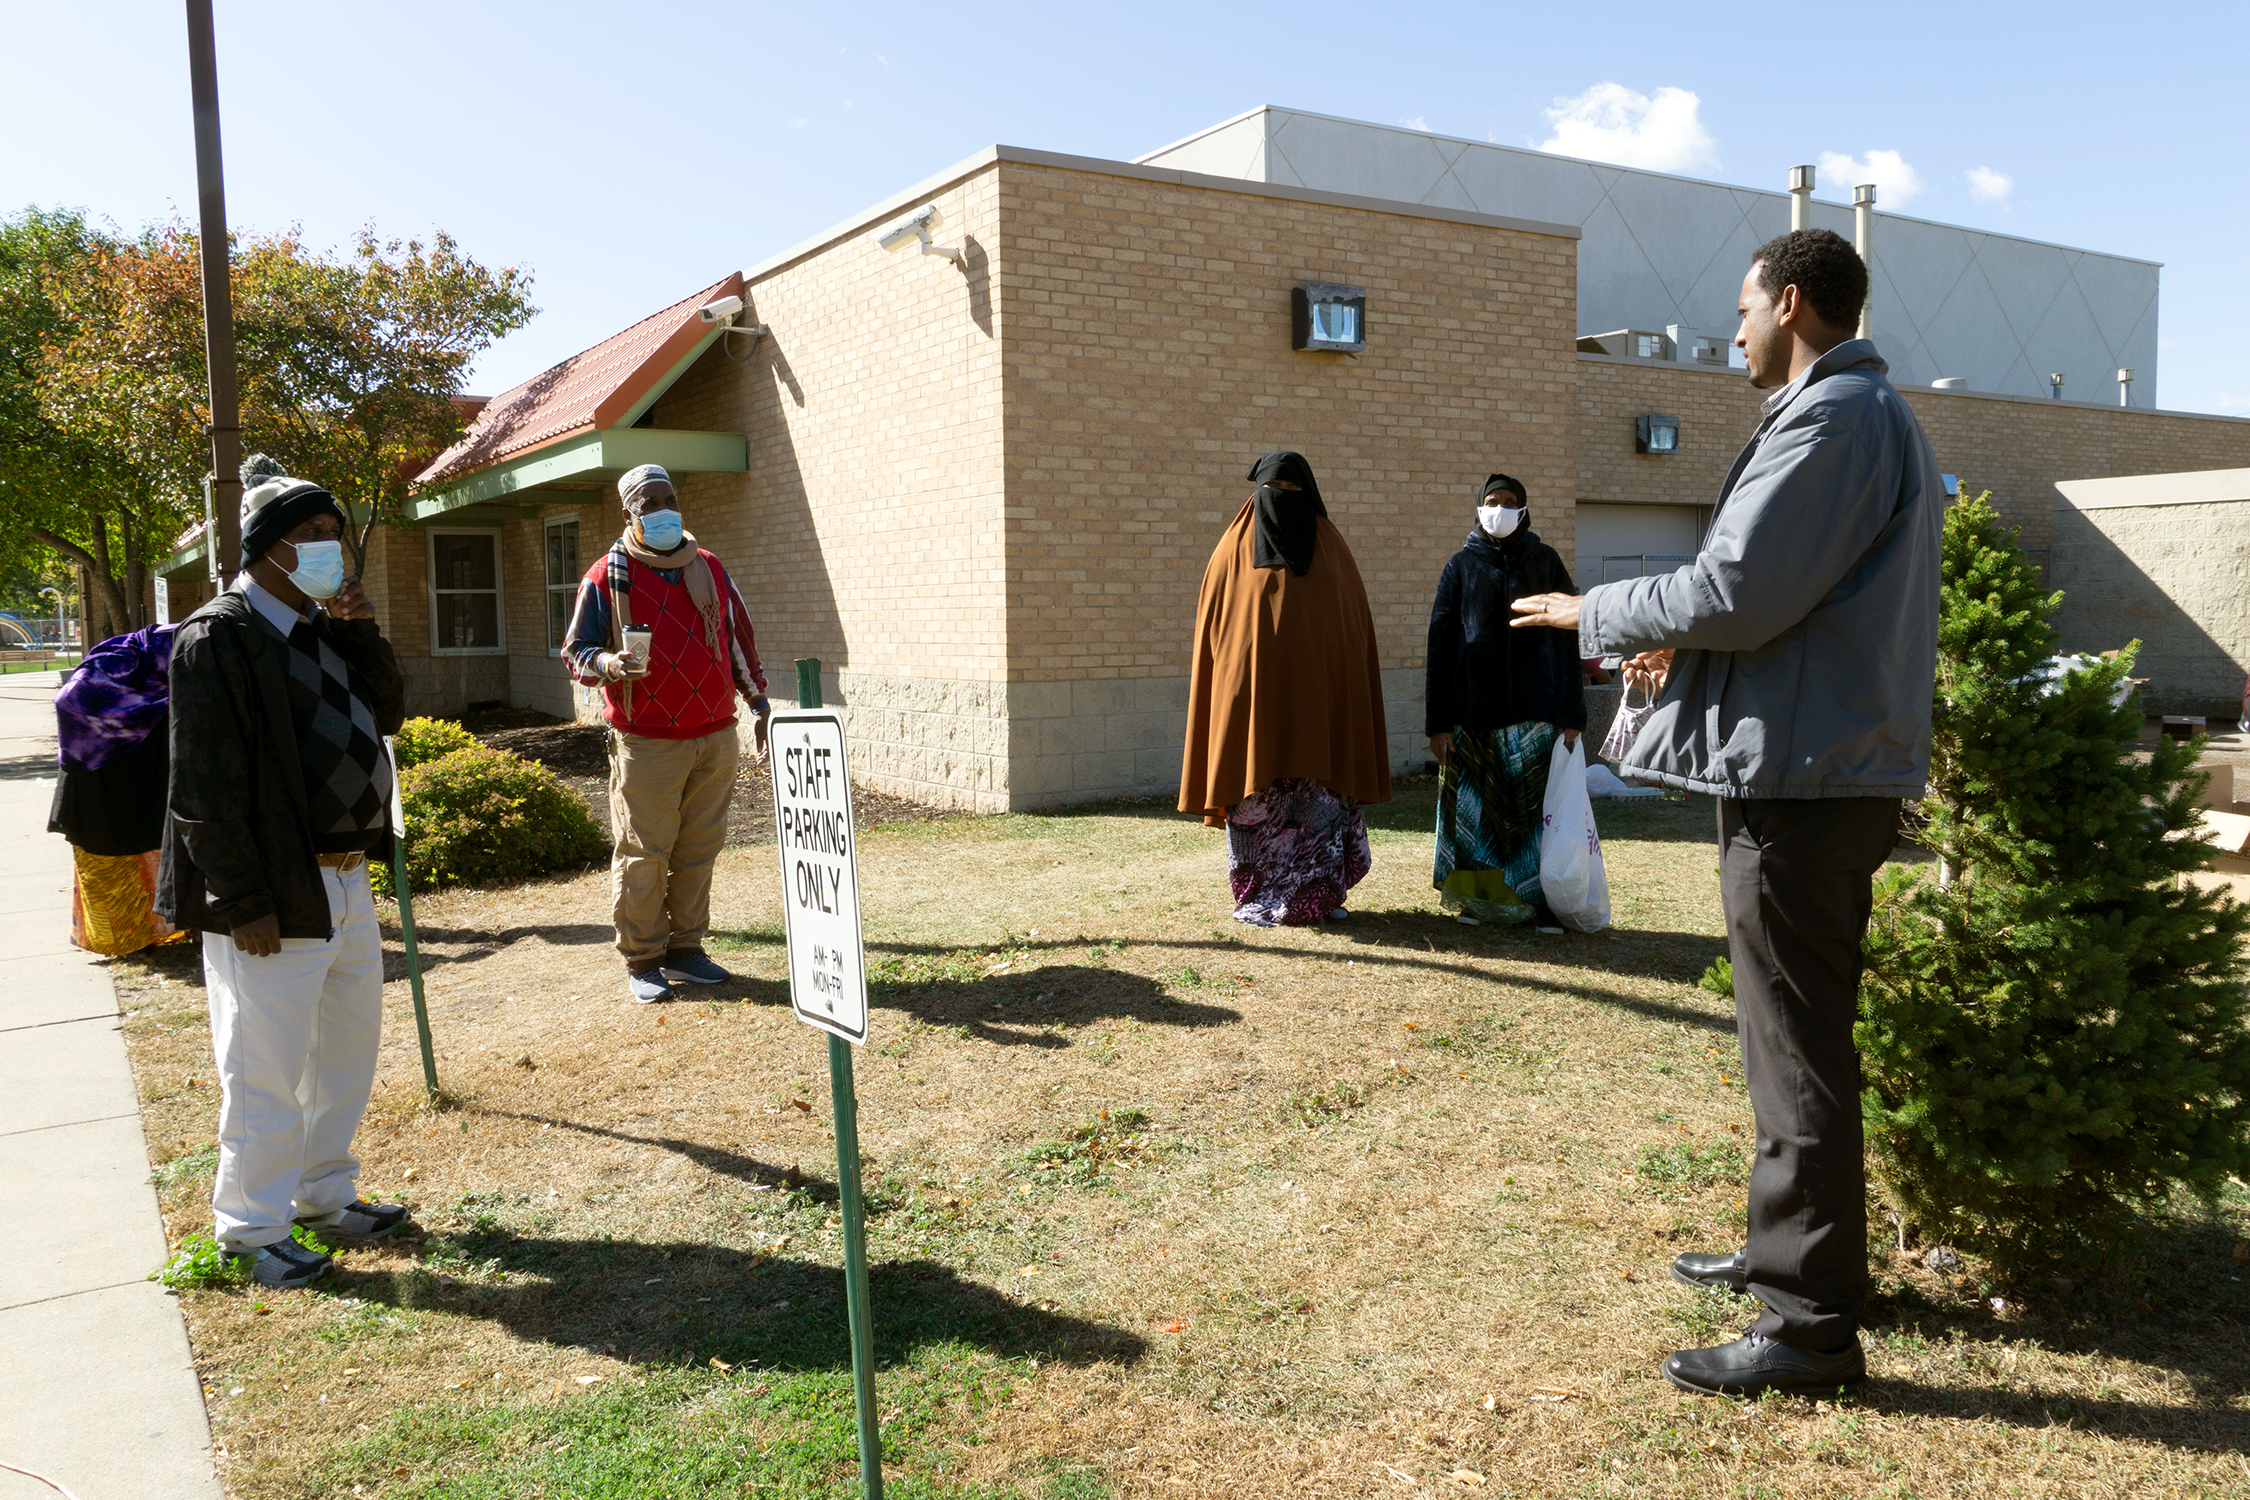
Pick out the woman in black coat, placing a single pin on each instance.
(1497, 697)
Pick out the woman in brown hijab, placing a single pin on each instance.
(1285, 735)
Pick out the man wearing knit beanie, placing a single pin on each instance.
(661, 629)
(283, 690)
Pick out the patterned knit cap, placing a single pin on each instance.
(273, 505)
(636, 480)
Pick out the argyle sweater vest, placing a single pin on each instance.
(339, 749)
(689, 691)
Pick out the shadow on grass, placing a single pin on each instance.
(948, 985)
(679, 1302)
(711, 1158)
(1073, 995)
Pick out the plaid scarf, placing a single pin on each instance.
(702, 588)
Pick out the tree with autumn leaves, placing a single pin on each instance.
(349, 368)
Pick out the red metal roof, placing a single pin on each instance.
(590, 390)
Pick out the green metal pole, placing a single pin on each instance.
(413, 963)
(845, 1098)
(855, 1262)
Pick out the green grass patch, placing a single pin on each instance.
(191, 1166)
(687, 1433)
(1685, 1164)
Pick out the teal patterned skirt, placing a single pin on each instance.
(1492, 802)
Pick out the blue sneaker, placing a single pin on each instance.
(693, 966)
(648, 986)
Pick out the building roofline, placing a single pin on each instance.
(1931, 390)
(2139, 491)
(1026, 156)
(1610, 166)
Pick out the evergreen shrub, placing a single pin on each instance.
(478, 815)
(420, 741)
(2052, 1028)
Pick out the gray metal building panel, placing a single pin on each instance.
(1998, 311)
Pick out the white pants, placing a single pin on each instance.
(294, 1034)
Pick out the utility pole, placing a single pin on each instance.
(218, 301)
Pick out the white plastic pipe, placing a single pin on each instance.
(1863, 236)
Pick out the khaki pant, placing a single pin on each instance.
(668, 814)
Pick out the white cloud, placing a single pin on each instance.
(799, 123)
(1609, 122)
(1419, 122)
(2230, 404)
(1895, 181)
(1988, 186)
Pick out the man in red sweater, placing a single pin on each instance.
(662, 630)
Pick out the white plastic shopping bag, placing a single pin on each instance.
(1570, 853)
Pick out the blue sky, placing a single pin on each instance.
(630, 154)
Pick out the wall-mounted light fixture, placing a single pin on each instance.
(1323, 315)
(1659, 435)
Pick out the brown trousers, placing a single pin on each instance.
(668, 804)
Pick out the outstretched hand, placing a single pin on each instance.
(1558, 611)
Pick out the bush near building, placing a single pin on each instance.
(475, 815)
(2052, 1024)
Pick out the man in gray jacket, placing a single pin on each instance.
(1798, 655)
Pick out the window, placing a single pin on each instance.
(465, 614)
(563, 574)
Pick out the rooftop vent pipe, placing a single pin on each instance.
(2056, 381)
(1800, 197)
(1863, 237)
(2125, 387)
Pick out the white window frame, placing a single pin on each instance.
(546, 602)
(499, 588)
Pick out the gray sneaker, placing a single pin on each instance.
(648, 987)
(285, 1264)
(360, 1223)
(693, 966)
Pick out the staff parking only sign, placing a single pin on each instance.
(812, 808)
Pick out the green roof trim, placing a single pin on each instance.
(591, 457)
(590, 463)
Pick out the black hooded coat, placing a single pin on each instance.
(1483, 673)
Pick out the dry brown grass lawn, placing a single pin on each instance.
(1162, 1205)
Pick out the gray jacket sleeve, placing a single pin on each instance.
(1808, 505)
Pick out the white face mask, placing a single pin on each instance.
(320, 569)
(1498, 520)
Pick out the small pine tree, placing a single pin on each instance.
(2052, 1028)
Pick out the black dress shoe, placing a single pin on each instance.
(1730, 1271)
(1755, 1363)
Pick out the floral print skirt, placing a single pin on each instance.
(1293, 850)
(1492, 804)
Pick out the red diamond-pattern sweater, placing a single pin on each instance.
(688, 692)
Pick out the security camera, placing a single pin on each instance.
(719, 311)
(915, 227)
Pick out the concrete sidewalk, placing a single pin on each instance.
(97, 1388)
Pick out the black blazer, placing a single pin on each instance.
(1483, 673)
(237, 830)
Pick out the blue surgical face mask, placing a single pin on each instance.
(661, 529)
(320, 569)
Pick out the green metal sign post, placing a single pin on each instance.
(828, 981)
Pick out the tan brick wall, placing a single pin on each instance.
(1148, 364)
(868, 529)
(2016, 448)
(2174, 577)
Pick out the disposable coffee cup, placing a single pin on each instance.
(636, 645)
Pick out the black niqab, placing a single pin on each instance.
(1288, 526)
